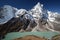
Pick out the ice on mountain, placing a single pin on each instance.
(50, 16)
(53, 20)
(20, 12)
(7, 14)
(53, 16)
(37, 10)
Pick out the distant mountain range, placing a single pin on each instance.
(7, 12)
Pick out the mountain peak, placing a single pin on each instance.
(38, 5)
(7, 13)
(37, 10)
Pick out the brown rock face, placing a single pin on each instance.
(30, 37)
(56, 37)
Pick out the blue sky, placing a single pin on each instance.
(52, 5)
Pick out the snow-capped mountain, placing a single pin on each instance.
(37, 10)
(20, 12)
(54, 21)
(50, 20)
(53, 17)
(7, 12)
